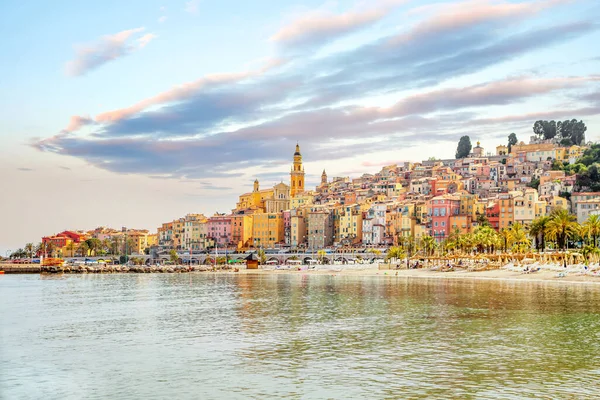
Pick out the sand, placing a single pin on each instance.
(499, 274)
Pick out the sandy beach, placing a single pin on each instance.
(498, 274)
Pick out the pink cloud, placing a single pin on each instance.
(144, 40)
(491, 93)
(380, 163)
(108, 48)
(317, 25)
(76, 122)
(184, 91)
(456, 15)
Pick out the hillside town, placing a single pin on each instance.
(432, 199)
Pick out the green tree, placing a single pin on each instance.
(173, 256)
(429, 244)
(83, 249)
(395, 253)
(94, 245)
(262, 257)
(464, 147)
(561, 227)
(591, 228)
(46, 249)
(545, 129)
(512, 140)
(30, 249)
(71, 248)
(538, 231)
(518, 234)
(535, 183)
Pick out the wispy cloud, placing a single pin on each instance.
(106, 49)
(25, 169)
(162, 19)
(77, 122)
(318, 27)
(145, 39)
(192, 6)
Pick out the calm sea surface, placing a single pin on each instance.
(206, 336)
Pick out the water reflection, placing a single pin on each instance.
(295, 336)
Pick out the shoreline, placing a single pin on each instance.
(493, 275)
(501, 275)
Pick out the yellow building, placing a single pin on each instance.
(267, 229)
(557, 202)
(242, 226)
(255, 199)
(349, 224)
(139, 241)
(540, 208)
(302, 199)
(280, 200)
(152, 240)
(297, 174)
(462, 223)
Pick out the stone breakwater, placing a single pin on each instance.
(108, 269)
(138, 269)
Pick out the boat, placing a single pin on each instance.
(53, 262)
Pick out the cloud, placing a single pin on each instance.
(184, 91)
(225, 125)
(144, 40)
(162, 19)
(106, 49)
(318, 27)
(192, 6)
(210, 186)
(25, 169)
(448, 17)
(76, 123)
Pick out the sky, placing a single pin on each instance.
(130, 114)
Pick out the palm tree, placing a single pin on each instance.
(592, 228)
(94, 245)
(83, 249)
(561, 227)
(114, 245)
(538, 230)
(506, 239)
(29, 249)
(106, 246)
(395, 252)
(71, 248)
(321, 254)
(429, 244)
(46, 249)
(519, 237)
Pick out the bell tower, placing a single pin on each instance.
(323, 178)
(297, 174)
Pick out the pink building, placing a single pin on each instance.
(219, 229)
(441, 209)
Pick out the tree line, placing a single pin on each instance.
(569, 132)
(90, 247)
(559, 230)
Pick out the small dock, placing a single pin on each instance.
(21, 268)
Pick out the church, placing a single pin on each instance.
(277, 198)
